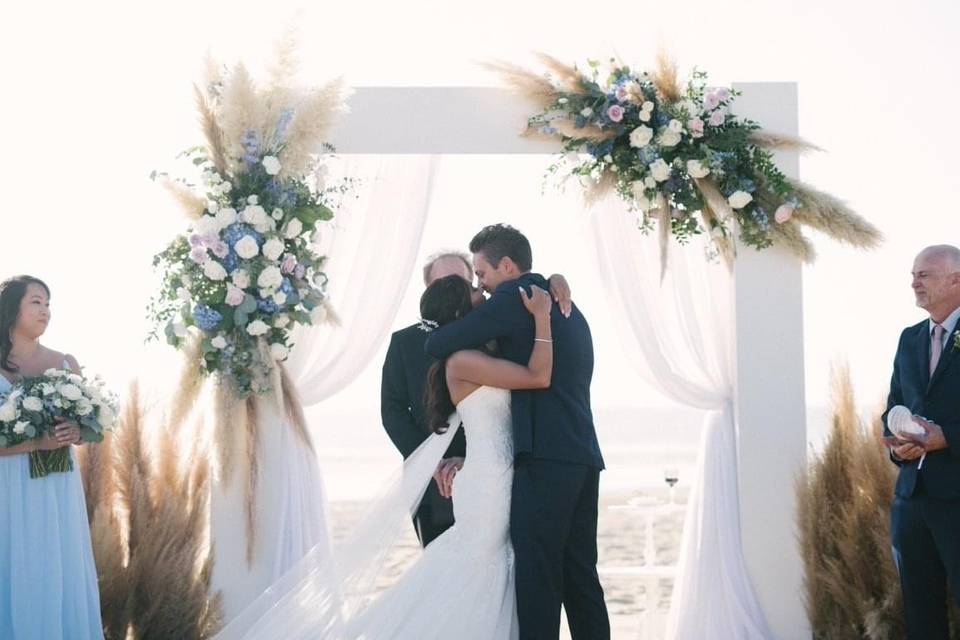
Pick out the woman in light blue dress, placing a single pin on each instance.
(48, 581)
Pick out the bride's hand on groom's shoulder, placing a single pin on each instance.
(444, 474)
(538, 302)
(560, 291)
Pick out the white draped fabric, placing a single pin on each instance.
(371, 246)
(679, 336)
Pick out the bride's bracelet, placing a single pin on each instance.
(543, 339)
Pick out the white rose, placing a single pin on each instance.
(254, 214)
(273, 248)
(587, 112)
(649, 182)
(281, 320)
(270, 278)
(70, 392)
(278, 351)
(257, 328)
(32, 403)
(641, 136)
(279, 297)
(20, 427)
(277, 214)
(226, 217)
(213, 206)
(226, 187)
(8, 411)
(294, 229)
(647, 106)
(739, 199)
(183, 294)
(46, 389)
(675, 125)
(669, 138)
(246, 247)
(234, 296)
(696, 169)
(241, 278)
(206, 226)
(272, 165)
(214, 270)
(106, 416)
(660, 170)
(644, 116)
(84, 408)
(219, 342)
(253, 200)
(179, 330)
(74, 378)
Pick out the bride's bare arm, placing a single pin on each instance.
(481, 369)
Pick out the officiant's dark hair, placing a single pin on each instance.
(444, 301)
(12, 291)
(497, 241)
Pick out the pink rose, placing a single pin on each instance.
(621, 93)
(695, 126)
(723, 94)
(289, 263)
(615, 113)
(234, 295)
(718, 117)
(783, 213)
(711, 102)
(195, 240)
(220, 249)
(199, 255)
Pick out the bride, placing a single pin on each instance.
(463, 585)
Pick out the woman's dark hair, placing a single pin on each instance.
(444, 301)
(12, 291)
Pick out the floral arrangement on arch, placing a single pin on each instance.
(246, 270)
(677, 155)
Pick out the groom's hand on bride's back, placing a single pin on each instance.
(444, 474)
(560, 292)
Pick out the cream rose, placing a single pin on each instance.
(739, 199)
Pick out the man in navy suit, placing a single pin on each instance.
(925, 516)
(404, 377)
(553, 517)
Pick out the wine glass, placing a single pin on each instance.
(671, 475)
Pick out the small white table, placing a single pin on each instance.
(651, 509)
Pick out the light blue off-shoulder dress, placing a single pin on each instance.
(48, 581)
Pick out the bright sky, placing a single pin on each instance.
(99, 94)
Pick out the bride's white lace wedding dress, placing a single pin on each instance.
(461, 587)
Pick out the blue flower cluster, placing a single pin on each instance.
(251, 148)
(206, 318)
(235, 232)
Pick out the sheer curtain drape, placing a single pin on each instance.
(679, 336)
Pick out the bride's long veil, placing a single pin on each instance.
(322, 592)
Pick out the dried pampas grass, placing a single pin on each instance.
(780, 142)
(665, 77)
(211, 132)
(532, 86)
(789, 235)
(833, 217)
(590, 132)
(192, 203)
(312, 119)
(567, 76)
(149, 533)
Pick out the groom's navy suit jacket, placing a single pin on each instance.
(936, 398)
(548, 424)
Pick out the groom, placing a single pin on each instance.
(553, 518)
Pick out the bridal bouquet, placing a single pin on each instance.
(35, 405)
(677, 155)
(246, 271)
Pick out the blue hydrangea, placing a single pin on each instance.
(267, 305)
(648, 154)
(206, 318)
(662, 119)
(235, 232)
(286, 286)
(231, 262)
(747, 185)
